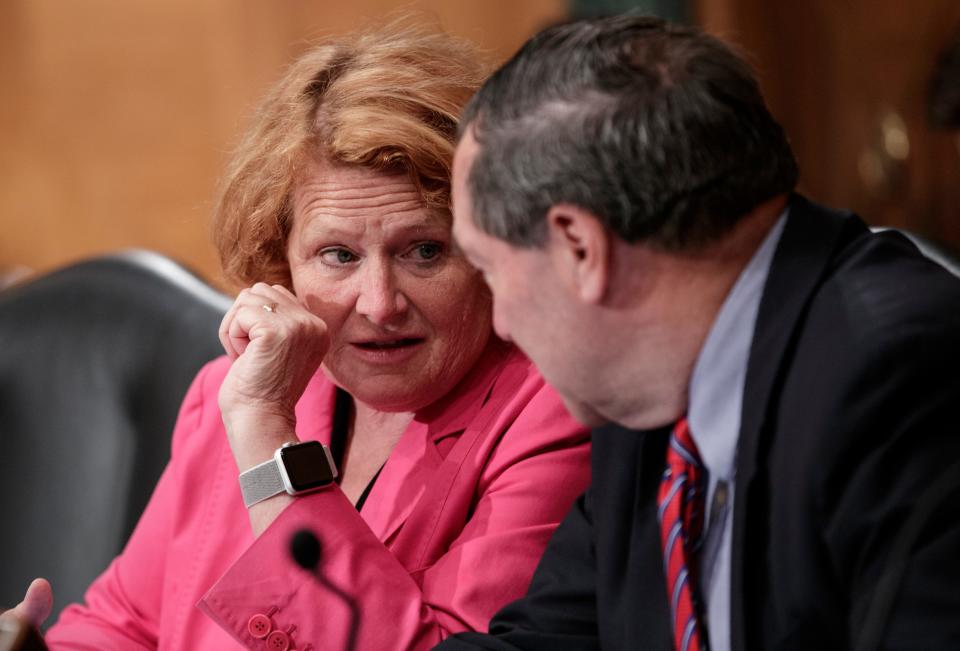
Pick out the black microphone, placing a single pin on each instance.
(305, 548)
(307, 552)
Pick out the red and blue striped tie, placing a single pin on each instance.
(680, 505)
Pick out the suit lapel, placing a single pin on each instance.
(415, 472)
(652, 606)
(810, 239)
(449, 495)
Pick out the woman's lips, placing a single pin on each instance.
(387, 351)
(388, 343)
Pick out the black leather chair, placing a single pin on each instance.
(94, 361)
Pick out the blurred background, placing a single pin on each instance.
(116, 117)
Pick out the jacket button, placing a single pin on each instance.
(259, 626)
(278, 641)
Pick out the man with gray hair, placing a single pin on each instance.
(774, 387)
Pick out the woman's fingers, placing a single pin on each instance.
(224, 332)
(234, 334)
(286, 294)
(276, 345)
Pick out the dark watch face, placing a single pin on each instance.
(307, 466)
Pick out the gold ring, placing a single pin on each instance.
(269, 307)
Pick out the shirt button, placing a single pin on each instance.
(720, 495)
(259, 626)
(278, 641)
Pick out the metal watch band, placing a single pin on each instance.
(260, 482)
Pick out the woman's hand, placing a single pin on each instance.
(36, 605)
(276, 346)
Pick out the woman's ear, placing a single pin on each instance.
(579, 246)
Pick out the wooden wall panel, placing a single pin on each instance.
(116, 116)
(832, 71)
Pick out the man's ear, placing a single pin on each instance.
(579, 245)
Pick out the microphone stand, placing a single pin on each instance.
(306, 551)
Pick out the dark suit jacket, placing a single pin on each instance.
(849, 412)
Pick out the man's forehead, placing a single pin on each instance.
(462, 162)
(466, 151)
(462, 229)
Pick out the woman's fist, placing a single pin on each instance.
(276, 345)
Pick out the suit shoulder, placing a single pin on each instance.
(882, 289)
(199, 410)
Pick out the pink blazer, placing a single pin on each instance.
(450, 532)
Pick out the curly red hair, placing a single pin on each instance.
(387, 100)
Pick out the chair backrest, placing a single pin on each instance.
(94, 361)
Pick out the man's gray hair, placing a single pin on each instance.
(658, 130)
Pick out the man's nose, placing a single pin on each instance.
(380, 298)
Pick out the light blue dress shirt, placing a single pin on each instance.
(715, 406)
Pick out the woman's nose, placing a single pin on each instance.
(380, 299)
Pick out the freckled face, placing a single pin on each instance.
(407, 314)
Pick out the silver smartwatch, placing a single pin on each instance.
(296, 468)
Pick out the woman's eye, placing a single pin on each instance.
(337, 256)
(426, 251)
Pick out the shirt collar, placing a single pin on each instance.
(716, 387)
